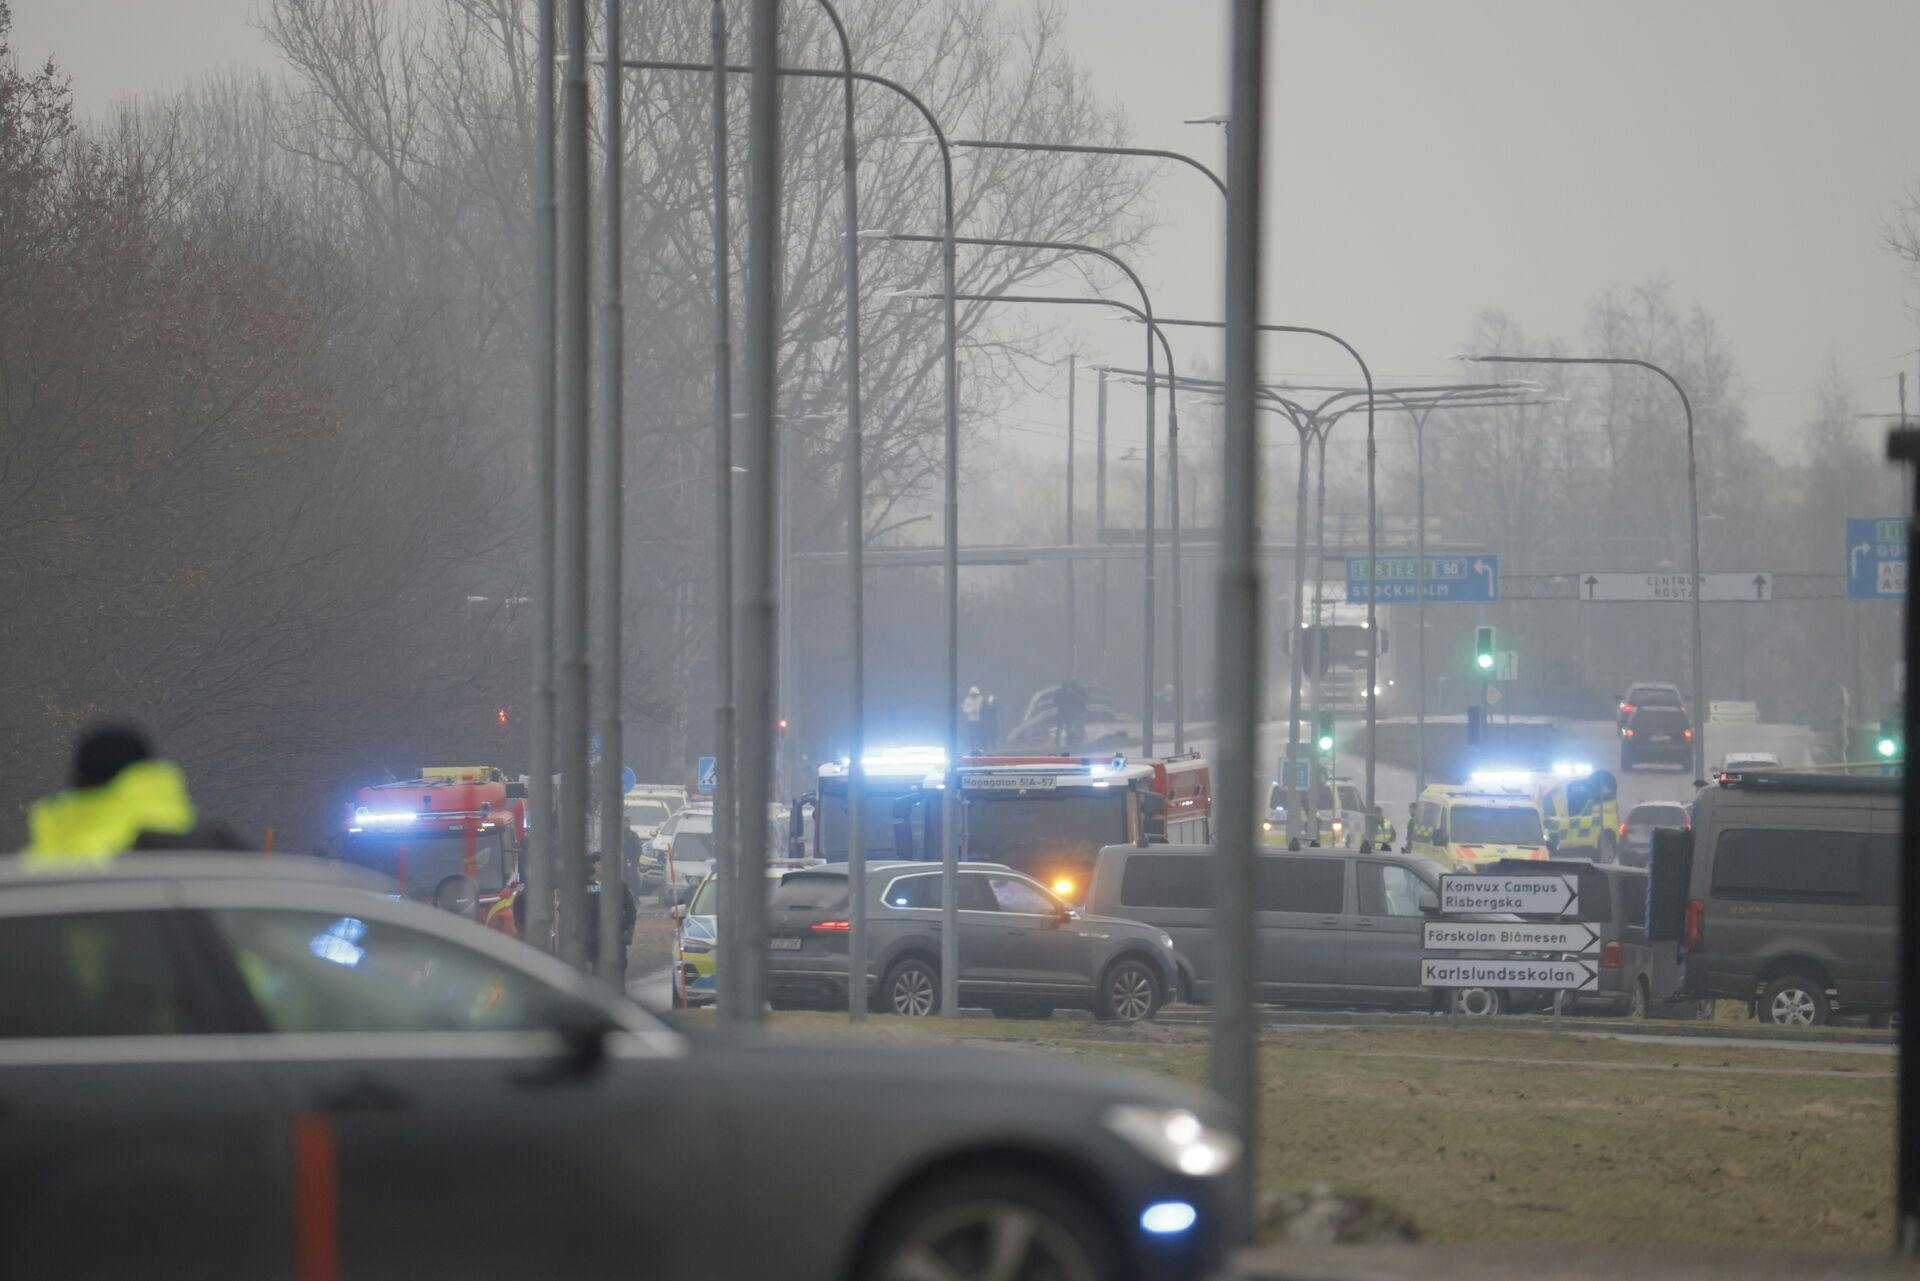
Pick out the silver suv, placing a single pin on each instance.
(1023, 952)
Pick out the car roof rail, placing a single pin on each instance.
(1813, 781)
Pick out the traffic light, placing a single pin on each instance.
(1483, 657)
(500, 715)
(1323, 733)
(781, 725)
(1887, 746)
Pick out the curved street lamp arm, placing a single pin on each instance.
(1087, 149)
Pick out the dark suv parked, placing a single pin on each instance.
(1656, 735)
(1023, 952)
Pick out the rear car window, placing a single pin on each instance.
(1661, 815)
(89, 974)
(811, 890)
(1771, 865)
(1165, 880)
(1304, 884)
(1494, 825)
(1652, 696)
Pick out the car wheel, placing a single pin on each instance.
(1793, 1001)
(1482, 1002)
(1129, 992)
(988, 1225)
(1640, 1002)
(456, 894)
(912, 989)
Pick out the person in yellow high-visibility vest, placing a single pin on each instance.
(122, 798)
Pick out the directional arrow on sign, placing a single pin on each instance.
(1591, 583)
(1853, 558)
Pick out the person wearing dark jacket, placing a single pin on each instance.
(629, 916)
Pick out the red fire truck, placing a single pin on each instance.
(1048, 816)
(452, 837)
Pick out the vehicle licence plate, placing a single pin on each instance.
(784, 945)
(1661, 738)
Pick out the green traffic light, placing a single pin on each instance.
(1485, 661)
(1888, 747)
(1326, 742)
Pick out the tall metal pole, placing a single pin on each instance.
(1234, 1069)
(613, 818)
(1146, 587)
(1173, 521)
(1073, 649)
(1100, 519)
(1420, 600)
(571, 456)
(538, 871)
(725, 749)
(1296, 800)
(1693, 514)
(856, 542)
(1903, 446)
(950, 795)
(756, 673)
(1319, 629)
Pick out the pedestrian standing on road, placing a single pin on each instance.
(629, 915)
(970, 711)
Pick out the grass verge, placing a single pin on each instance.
(1491, 1136)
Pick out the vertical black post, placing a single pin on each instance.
(1073, 654)
(1903, 446)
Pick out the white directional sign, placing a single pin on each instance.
(1464, 894)
(1512, 936)
(1569, 976)
(1751, 586)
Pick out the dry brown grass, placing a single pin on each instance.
(1488, 1135)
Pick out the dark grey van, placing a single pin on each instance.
(1786, 894)
(1331, 927)
(1636, 977)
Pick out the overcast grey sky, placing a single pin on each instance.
(1433, 157)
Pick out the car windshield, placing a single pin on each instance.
(422, 863)
(692, 844)
(648, 813)
(1494, 825)
(1037, 834)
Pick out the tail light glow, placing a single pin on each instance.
(1696, 931)
(1610, 956)
(1627, 732)
(834, 927)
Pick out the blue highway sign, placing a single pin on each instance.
(1459, 579)
(709, 773)
(1876, 558)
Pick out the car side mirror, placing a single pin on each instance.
(1429, 903)
(679, 911)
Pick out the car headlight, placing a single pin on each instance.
(1166, 941)
(1175, 1138)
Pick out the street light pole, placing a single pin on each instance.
(1100, 517)
(949, 854)
(539, 870)
(757, 612)
(1146, 311)
(1234, 1068)
(856, 544)
(1693, 517)
(613, 818)
(726, 753)
(571, 502)
(1073, 653)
